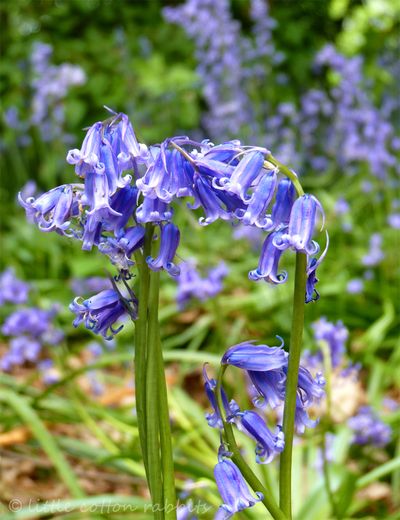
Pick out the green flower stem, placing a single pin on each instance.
(167, 460)
(152, 401)
(251, 478)
(285, 477)
(141, 340)
(285, 171)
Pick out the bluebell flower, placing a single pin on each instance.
(309, 391)
(259, 358)
(213, 169)
(125, 144)
(210, 200)
(369, 429)
(231, 407)
(227, 152)
(233, 489)
(192, 285)
(92, 228)
(335, 335)
(255, 212)
(311, 293)
(269, 260)
(97, 197)
(243, 176)
(12, 290)
(375, 254)
(268, 444)
(394, 220)
(285, 197)
(89, 155)
(153, 210)
(53, 210)
(21, 349)
(270, 387)
(124, 201)
(154, 182)
(33, 321)
(48, 371)
(169, 244)
(120, 250)
(355, 286)
(100, 312)
(301, 226)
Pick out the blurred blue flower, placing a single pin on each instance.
(355, 286)
(369, 429)
(192, 285)
(335, 335)
(12, 290)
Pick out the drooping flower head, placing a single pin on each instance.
(100, 312)
(233, 489)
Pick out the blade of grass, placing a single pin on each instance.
(39, 430)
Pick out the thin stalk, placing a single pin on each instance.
(285, 477)
(327, 479)
(165, 440)
(152, 401)
(141, 340)
(285, 171)
(251, 478)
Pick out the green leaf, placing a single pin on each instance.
(345, 493)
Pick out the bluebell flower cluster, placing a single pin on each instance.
(50, 84)
(192, 285)
(266, 368)
(229, 64)
(126, 185)
(49, 87)
(369, 429)
(342, 123)
(12, 290)
(375, 255)
(335, 335)
(29, 330)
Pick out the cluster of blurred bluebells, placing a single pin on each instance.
(29, 329)
(341, 124)
(127, 185)
(49, 85)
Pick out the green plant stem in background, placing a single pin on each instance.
(285, 477)
(251, 478)
(327, 361)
